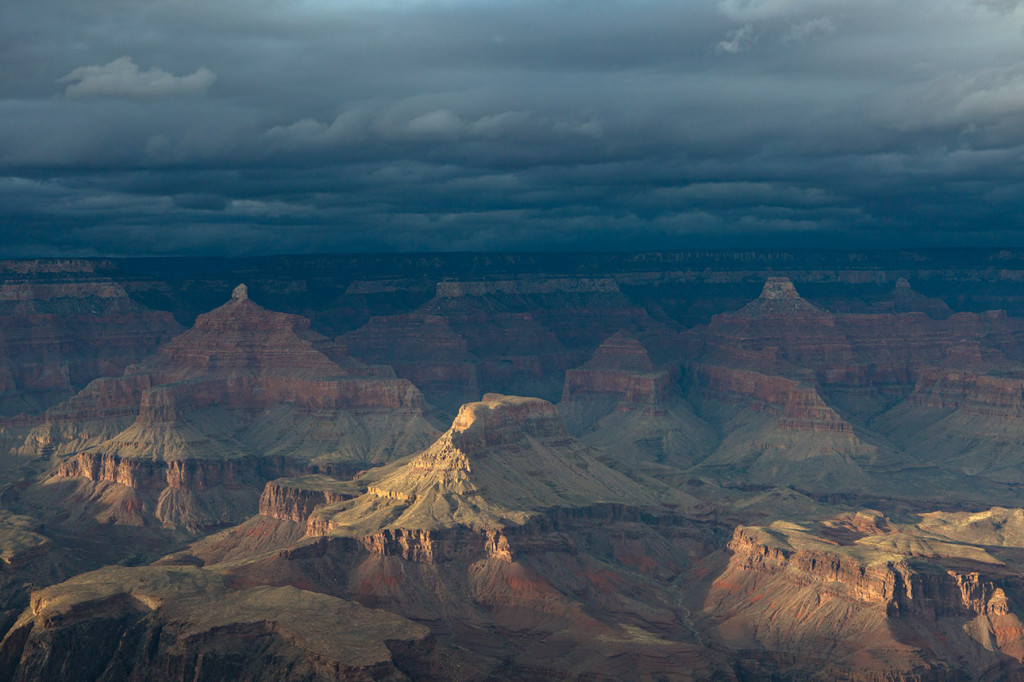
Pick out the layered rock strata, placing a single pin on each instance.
(858, 598)
(189, 421)
(184, 623)
(65, 324)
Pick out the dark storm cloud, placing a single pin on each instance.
(230, 127)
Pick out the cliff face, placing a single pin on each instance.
(504, 459)
(65, 324)
(859, 600)
(798, 406)
(184, 423)
(184, 623)
(296, 499)
(423, 349)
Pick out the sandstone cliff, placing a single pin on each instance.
(858, 597)
(184, 623)
(63, 324)
(502, 460)
(188, 437)
(621, 404)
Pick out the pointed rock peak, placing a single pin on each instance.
(907, 300)
(621, 351)
(778, 296)
(242, 314)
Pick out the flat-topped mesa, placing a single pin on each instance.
(502, 421)
(779, 297)
(504, 459)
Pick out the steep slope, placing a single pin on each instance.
(858, 597)
(184, 623)
(65, 323)
(778, 431)
(191, 434)
(621, 404)
(503, 460)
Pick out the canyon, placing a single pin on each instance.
(666, 466)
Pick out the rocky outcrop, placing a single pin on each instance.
(620, 368)
(422, 349)
(64, 324)
(799, 407)
(807, 593)
(296, 499)
(182, 623)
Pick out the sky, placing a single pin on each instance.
(251, 127)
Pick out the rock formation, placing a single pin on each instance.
(243, 396)
(184, 623)
(503, 460)
(621, 404)
(857, 596)
(63, 325)
(766, 465)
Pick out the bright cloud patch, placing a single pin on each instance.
(123, 78)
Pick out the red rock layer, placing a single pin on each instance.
(621, 368)
(64, 326)
(420, 348)
(969, 392)
(798, 406)
(294, 503)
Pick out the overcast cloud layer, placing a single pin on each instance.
(239, 127)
